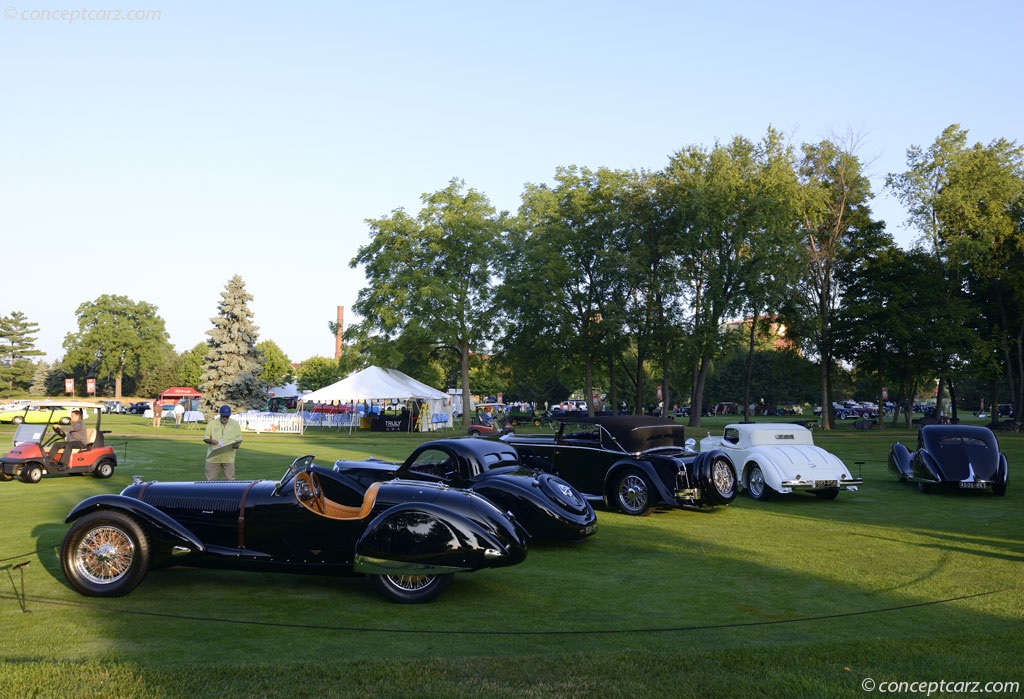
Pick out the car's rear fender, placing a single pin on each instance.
(155, 521)
(899, 460)
(925, 468)
(665, 493)
(1003, 470)
(425, 539)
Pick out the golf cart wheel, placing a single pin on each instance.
(31, 473)
(104, 469)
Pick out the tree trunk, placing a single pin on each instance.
(466, 401)
(588, 384)
(613, 391)
(749, 370)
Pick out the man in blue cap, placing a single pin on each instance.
(223, 436)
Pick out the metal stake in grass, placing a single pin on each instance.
(22, 601)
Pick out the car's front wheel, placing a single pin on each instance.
(105, 554)
(17, 419)
(756, 486)
(634, 493)
(412, 589)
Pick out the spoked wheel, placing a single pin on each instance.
(412, 589)
(105, 554)
(633, 493)
(718, 481)
(758, 489)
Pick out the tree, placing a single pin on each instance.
(117, 338)
(834, 213)
(233, 366)
(190, 366)
(431, 275)
(277, 368)
(317, 372)
(899, 323)
(570, 237)
(17, 337)
(733, 214)
(968, 204)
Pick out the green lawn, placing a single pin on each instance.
(794, 597)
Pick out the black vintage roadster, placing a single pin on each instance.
(546, 506)
(409, 537)
(965, 457)
(631, 462)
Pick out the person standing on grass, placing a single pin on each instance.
(179, 413)
(223, 437)
(158, 412)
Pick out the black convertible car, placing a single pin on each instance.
(546, 506)
(410, 537)
(959, 456)
(631, 462)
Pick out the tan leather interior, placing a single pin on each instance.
(333, 510)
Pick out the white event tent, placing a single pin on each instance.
(376, 384)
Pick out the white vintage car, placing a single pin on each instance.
(771, 458)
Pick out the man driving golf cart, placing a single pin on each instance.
(41, 449)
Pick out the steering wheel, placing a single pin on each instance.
(58, 430)
(318, 493)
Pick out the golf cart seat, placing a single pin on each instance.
(90, 440)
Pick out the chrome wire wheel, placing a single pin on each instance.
(723, 476)
(634, 494)
(412, 589)
(104, 555)
(759, 490)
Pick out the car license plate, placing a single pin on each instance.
(826, 484)
(973, 484)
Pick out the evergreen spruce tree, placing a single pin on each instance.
(39, 375)
(17, 346)
(232, 366)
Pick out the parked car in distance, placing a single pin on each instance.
(779, 458)
(966, 457)
(409, 537)
(546, 506)
(632, 463)
(139, 408)
(43, 413)
(112, 406)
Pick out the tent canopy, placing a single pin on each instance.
(181, 392)
(374, 383)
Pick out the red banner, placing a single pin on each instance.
(90, 386)
(69, 386)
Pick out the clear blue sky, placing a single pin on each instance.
(156, 158)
